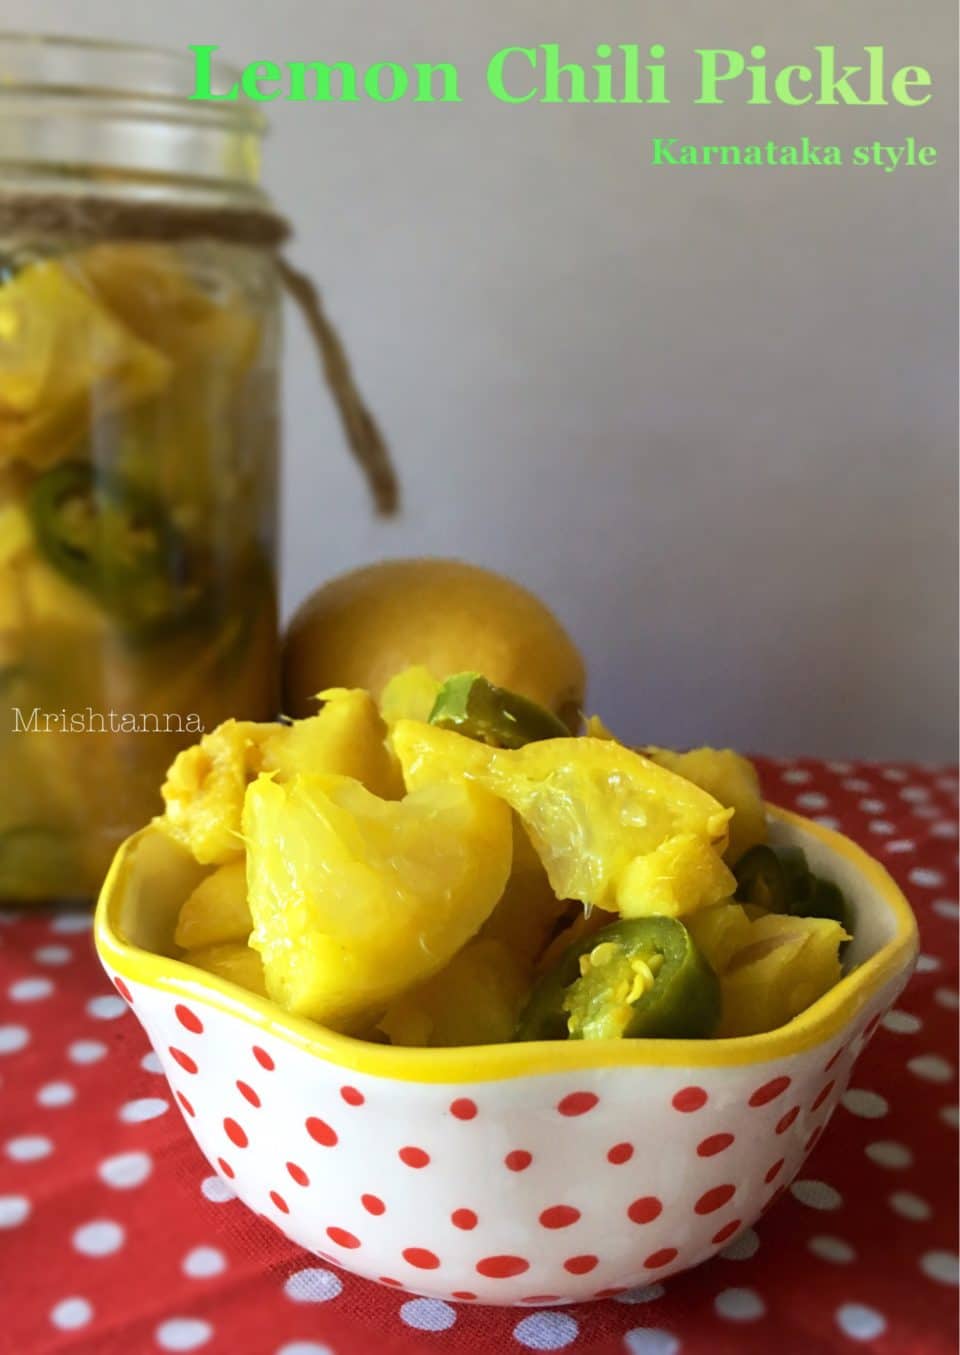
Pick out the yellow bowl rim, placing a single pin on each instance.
(817, 1025)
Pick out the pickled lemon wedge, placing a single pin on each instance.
(206, 783)
(612, 828)
(355, 899)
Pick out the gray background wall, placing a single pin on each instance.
(709, 414)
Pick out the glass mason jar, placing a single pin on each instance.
(138, 449)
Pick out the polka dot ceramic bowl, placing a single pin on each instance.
(517, 1174)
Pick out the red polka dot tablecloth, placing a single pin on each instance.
(116, 1238)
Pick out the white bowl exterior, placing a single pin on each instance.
(476, 1220)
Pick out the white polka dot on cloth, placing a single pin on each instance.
(873, 806)
(125, 1170)
(914, 794)
(827, 821)
(927, 964)
(951, 1115)
(888, 1153)
(942, 1266)
(203, 1262)
(651, 1341)
(909, 1206)
(900, 846)
(893, 774)
(53, 955)
(430, 1315)
(304, 1348)
(880, 826)
(70, 924)
(546, 1331)
(816, 1194)
(99, 1237)
(150, 1063)
(945, 829)
(901, 1023)
(28, 1148)
(742, 1248)
(925, 878)
(812, 799)
(13, 1039)
(931, 1067)
(868, 1105)
(216, 1190)
(55, 1094)
(33, 989)
(859, 1322)
(313, 1285)
(145, 1108)
(14, 1210)
(947, 997)
(106, 1007)
(795, 776)
(832, 1249)
(856, 783)
(183, 1333)
(643, 1293)
(86, 1051)
(740, 1305)
(71, 1313)
(841, 768)
(947, 908)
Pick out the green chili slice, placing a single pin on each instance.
(471, 705)
(640, 978)
(771, 877)
(780, 880)
(822, 898)
(117, 542)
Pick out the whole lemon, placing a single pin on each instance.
(361, 628)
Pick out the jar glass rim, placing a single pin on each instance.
(156, 80)
(78, 113)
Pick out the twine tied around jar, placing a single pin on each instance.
(103, 218)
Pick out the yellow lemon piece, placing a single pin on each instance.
(63, 353)
(770, 967)
(16, 533)
(729, 778)
(361, 629)
(685, 873)
(233, 961)
(528, 911)
(147, 287)
(217, 909)
(50, 599)
(204, 791)
(594, 728)
(719, 932)
(205, 786)
(476, 999)
(724, 774)
(355, 899)
(409, 695)
(346, 738)
(594, 810)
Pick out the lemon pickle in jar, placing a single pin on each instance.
(137, 523)
(140, 288)
(139, 329)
